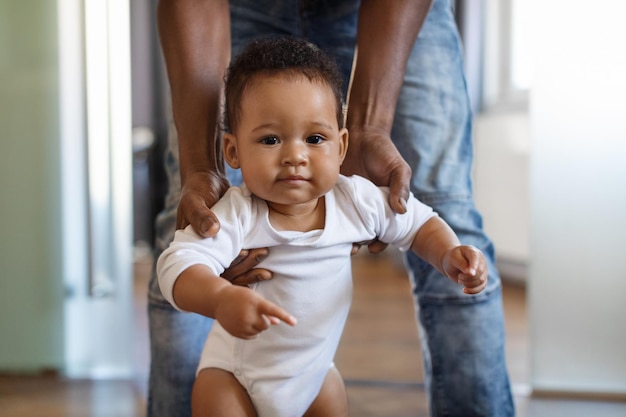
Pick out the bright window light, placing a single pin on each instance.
(522, 59)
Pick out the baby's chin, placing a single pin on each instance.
(285, 193)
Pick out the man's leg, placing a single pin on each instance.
(462, 335)
(176, 340)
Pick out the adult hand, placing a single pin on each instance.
(373, 155)
(242, 270)
(374, 246)
(200, 192)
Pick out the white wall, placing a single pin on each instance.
(577, 283)
(501, 184)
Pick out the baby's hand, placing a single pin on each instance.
(466, 265)
(244, 313)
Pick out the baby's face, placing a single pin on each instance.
(287, 141)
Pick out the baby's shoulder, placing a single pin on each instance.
(235, 200)
(355, 182)
(359, 189)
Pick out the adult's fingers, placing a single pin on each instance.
(399, 181)
(251, 276)
(193, 210)
(200, 192)
(242, 270)
(376, 246)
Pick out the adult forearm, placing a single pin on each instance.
(195, 39)
(387, 31)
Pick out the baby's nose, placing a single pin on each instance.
(294, 153)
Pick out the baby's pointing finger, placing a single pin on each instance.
(276, 314)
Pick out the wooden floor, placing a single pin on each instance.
(379, 358)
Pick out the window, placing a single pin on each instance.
(507, 59)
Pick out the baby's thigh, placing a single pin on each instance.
(217, 393)
(332, 399)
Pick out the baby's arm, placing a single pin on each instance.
(437, 244)
(240, 310)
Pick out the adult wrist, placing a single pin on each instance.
(371, 112)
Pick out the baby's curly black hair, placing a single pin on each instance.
(288, 56)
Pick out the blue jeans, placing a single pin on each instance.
(462, 336)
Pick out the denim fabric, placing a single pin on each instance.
(462, 336)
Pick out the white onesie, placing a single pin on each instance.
(284, 367)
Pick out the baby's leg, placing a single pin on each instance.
(217, 393)
(332, 399)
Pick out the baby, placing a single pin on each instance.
(270, 351)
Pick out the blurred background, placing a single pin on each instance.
(84, 119)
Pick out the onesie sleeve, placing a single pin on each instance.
(389, 226)
(216, 253)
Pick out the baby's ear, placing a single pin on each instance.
(343, 143)
(229, 146)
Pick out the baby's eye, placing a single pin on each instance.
(315, 139)
(270, 140)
